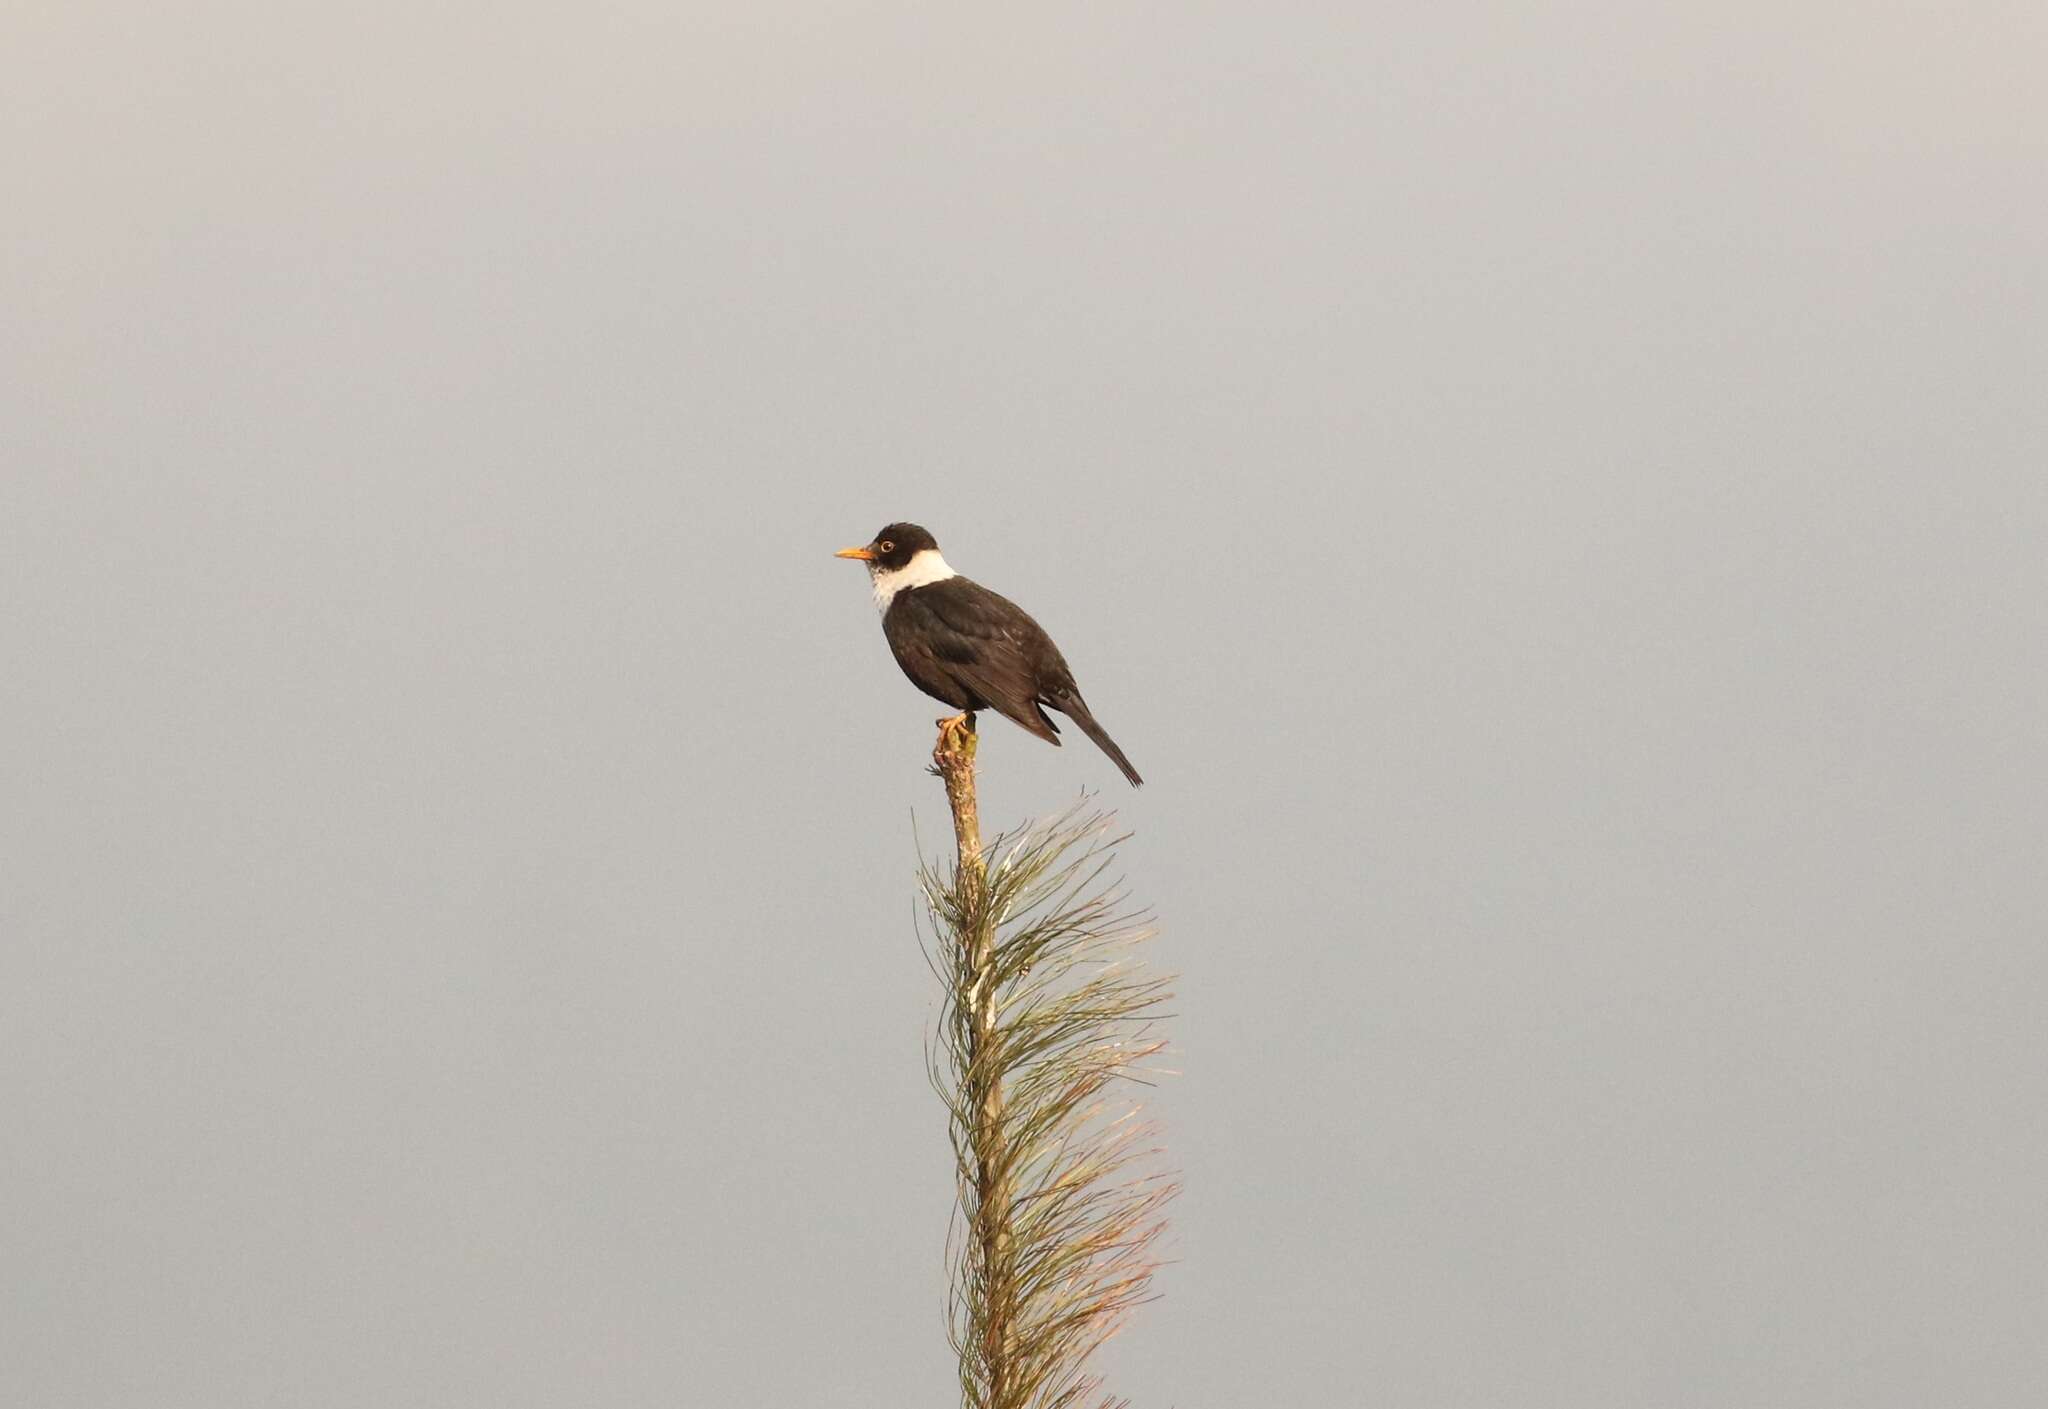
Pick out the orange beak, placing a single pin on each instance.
(866, 555)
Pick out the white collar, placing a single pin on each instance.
(924, 568)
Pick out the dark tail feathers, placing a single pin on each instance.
(1078, 712)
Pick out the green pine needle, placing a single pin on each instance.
(1048, 1015)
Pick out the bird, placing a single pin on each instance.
(969, 647)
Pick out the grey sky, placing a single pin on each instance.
(1552, 498)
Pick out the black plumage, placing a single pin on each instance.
(972, 648)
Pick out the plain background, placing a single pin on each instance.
(1553, 497)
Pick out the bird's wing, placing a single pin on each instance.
(989, 647)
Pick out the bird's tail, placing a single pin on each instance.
(1078, 712)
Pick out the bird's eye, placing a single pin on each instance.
(886, 546)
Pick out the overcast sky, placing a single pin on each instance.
(1552, 498)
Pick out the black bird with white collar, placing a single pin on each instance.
(962, 644)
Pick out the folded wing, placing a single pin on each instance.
(964, 644)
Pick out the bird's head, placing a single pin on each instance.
(892, 549)
(901, 556)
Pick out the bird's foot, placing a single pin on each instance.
(956, 738)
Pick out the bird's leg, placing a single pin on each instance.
(956, 732)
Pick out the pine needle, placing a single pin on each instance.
(1049, 1020)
